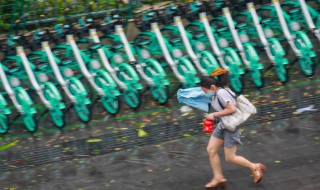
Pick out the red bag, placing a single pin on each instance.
(208, 126)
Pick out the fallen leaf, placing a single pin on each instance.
(94, 140)
(4, 147)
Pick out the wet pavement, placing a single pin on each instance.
(159, 147)
(289, 148)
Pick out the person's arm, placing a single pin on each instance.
(228, 110)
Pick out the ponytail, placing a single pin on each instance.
(221, 76)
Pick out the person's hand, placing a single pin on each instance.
(211, 116)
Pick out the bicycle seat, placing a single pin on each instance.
(142, 41)
(198, 34)
(222, 29)
(175, 39)
(294, 11)
(94, 46)
(13, 68)
(40, 64)
(117, 45)
(65, 60)
(266, 20)
(241, 25)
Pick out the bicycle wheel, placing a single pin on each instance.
(83, 112)
(257, 78)
(30, 123)
(160, 94)
(57, 118)
(132, 99)
(4, 126)
(281, 73)
(111, 104)
(235, 82)
(306, 66)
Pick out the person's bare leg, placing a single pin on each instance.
(213, 148)
(256, 169)
(230, 156)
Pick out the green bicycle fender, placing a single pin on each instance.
(56, 94)
(3, 105)
(303, 36)
(251, 51)
(277, 46)
(21, 92)
(81, 88)
(156, 65)
(107, 77)
(111, 83)
(253, 56)
(188, 64)
(132, 72)
(79, 85)
(212, 59)
(233, 54)
(53, 89)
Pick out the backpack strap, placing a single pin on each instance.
(235, 97)
(219, 99)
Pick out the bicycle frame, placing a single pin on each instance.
(249, 55)
(123, 73)
(271, 45)
(156, 77)
(187, 75)
(298, 40)
(99, 79)
(195, 54)
(48, 93)
(79, 99)
(20, 98)
(227, 56)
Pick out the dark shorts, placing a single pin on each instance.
(230, 138)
